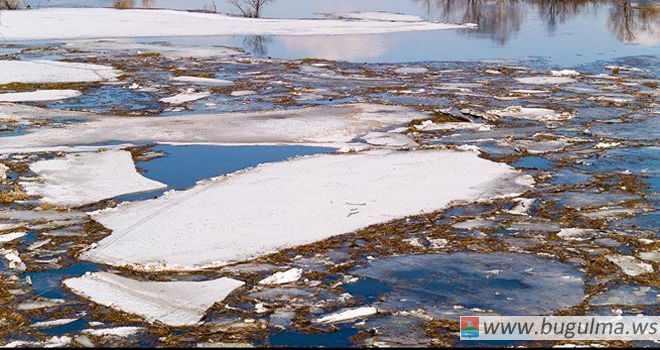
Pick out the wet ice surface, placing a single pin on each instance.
(596, 192)
(199, 162)
(508, 283)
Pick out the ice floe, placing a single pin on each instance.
(185, 97)
(325, 125)
(84, 178)
(545, 80)
(87, 23)
(630, 265)
(121, 332)
(543, 114)
(42, 71)
(53, 323)
(278, 205)
(283, 277)
(172, 303)
(8, 237)
(39, 95)
(203, 81)
(347, 315)
(169, 51)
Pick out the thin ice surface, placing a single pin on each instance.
(507, 283)
(172, 303)
(278, 205)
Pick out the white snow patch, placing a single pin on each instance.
(3, 172)
(170, 51)
(172, 303)
(607, 144)
(564, 73)
(203, 81)
(54, 342)
(331, 125)
(8, 237)
(347, 315)
(630, 265)
(545, 80)
(240, 93)
(185, 97)
(121, 332)
(84, 178)
(522, 207)
(429, 125)
(53, 323)
(39, 95)
(279, 205)
(81, 23)
(411, 70)
(283, 277)
(41, 71)
(542, 114)
(389, 139)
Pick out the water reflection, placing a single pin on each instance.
(630, 21)
(636, 23)
(257, 45)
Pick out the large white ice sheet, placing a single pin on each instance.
(110, 23)
(172, 303)
(279, 205)
(84, 178)
(327, 125)
(42, 71)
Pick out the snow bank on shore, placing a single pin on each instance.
(82, 23)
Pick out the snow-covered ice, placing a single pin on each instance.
(332, 125)
(172, 303)
(122, 332)
(629, 265)
(185, 97)
(39, 95)
(84, 178)
(8, 237)
(279, 205)
(283, 277)
(540, 80)
(347, 315)
(203, 81)
(532, 113)
(43, 71)
(87, 23)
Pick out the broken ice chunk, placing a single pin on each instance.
(172, 303)
(282, 277)
(83, 178)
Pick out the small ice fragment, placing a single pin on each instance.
(347, 315)
(282, 277)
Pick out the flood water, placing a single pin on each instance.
(593, 156)
(564, 33)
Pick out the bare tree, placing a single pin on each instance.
(11, 4)
(250, 8)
